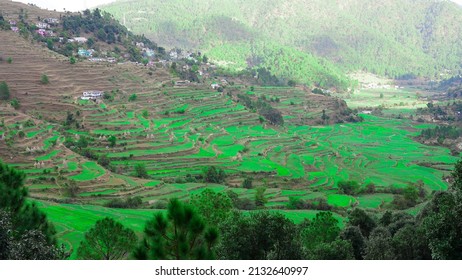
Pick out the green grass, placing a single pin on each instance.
(374, 200)
(80, 218)
(96, 193)
(48, 156)
(90, 171)
(340, 200)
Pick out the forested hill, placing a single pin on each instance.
(393, 37)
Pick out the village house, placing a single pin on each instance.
(12, 22)
(14, 29)
(173, 55)
(182, 83)
(92, 95)
(51, 20)
(147, 52)
(80, 40)
(215, 86)
(42, 32)
(42, 25)
(86, 53)
(97, 59)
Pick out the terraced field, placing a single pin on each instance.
(176, 132)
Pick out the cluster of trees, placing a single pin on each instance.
(441, 133)
(100, 23)
(25, 232)
(128, 203)
(105, 29)
(263, 108)
(213, 174)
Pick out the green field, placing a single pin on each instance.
(80, 218)
(90, 171)
(189, 130)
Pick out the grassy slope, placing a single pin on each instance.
(80, 218)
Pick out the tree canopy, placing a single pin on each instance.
(107, 240)
(180, 235)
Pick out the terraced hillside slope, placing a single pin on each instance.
(151, 138)
(177, 131)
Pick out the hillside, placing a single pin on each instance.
(177, 131)
(393, 38)
(157, 131)
(168, 128)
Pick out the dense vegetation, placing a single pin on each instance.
(393, 38)
(25, 232)
(106, 29)
(264, 108)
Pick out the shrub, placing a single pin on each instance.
(44, 80)
(348, 187)
(15, 104)
(132, 97)
(9, 60)
(4, 91)
(140, 171)
(247, 184)
(128, 203)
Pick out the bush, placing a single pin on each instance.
(132, 97)
(129, 203)
(140, 171)
(15, 104)
(348, 187)
(4, 91)
(9, 60)
(44, 80)
(315, 204)
(72, 60)
(104, 160)
(247, 184)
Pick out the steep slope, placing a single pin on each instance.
(391, 38)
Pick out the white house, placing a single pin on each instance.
(51, 20)
(182, 83)
(80, 40)
(42, 25)
(92, 95)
